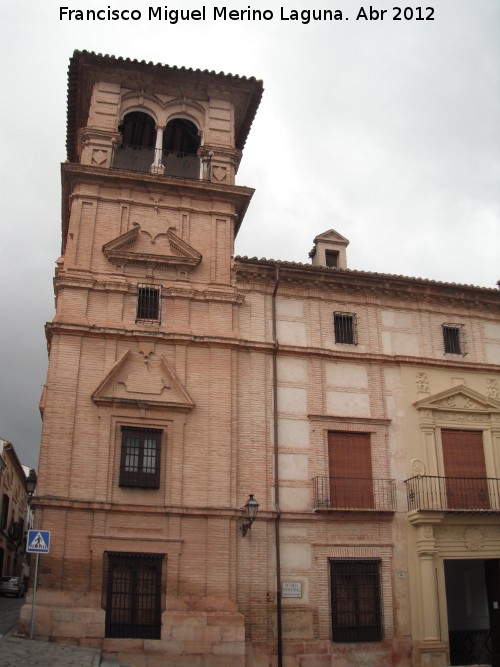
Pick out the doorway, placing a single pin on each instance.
(473, 598)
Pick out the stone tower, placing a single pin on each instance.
(138, 475)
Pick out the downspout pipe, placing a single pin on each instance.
(276, 472)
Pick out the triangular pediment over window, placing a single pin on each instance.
(143, 379)
(460, 399)
(165, 249)
(332, 236)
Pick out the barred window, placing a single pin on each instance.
(132, 586)
(454, 339)
(5, 511)
(344, 325)
(140, 457)
(148, 303)
(356, 600)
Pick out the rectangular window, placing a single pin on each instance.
(356, 600)
(344, 325)
(350, 470)
(465, 469)
(454, 339)
(5, 512)
(140, 457)
(332, 258)
(148, 303)
(133, 595)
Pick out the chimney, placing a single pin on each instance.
(330, 250)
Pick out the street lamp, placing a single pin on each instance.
(31, 482)
(251, 508)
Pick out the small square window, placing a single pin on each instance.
(344, 325)
(140, 457)
(454, 339)
(332, 258)
(148, 303)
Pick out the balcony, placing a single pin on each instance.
(160, 162)
(354, 494)
(453, 494)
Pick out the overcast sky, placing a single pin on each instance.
(387, 131)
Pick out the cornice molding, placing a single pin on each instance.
(459, 399)
(237, 196)
(305, 279)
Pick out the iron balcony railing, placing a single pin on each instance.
(453, 494)
(354, 494)
(160, 162)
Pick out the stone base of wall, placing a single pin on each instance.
(323, 653)
(431, 654)
(188, 638)
(70, 625)
(213, 636)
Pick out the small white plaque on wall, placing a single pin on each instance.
(291, 589)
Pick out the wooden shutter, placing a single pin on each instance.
(350, 470)
(465, 469)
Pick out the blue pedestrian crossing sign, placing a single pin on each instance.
(38, 542)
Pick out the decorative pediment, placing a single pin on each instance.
(143, 379)
(164, 249)
(459, 399)
(332, 236)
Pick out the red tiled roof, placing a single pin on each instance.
(299, 266)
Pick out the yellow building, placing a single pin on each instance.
(181, 380)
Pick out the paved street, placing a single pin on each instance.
(15, 652)
(18, 651)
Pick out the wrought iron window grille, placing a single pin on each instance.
(148, 303)
(345, 328)
(356, 600)
(454, 339)
(132, 595)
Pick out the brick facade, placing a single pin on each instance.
(240, 350)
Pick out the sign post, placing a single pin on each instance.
(38, 543)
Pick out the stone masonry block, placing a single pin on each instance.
(198, 647)
(233, 633)
(224, 661)
(170, 647)
(229, 648)
(315, 661)
(225, 619)
(189, 618)
(196, 633)
(124, 645)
